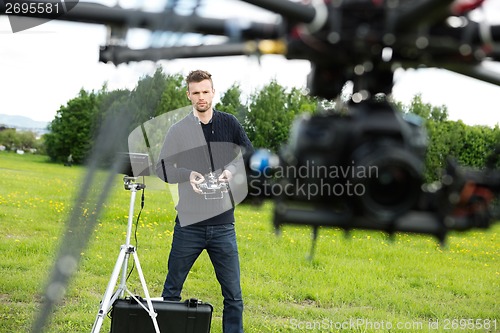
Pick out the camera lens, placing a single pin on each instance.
(393, 185)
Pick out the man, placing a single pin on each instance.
(205, 143)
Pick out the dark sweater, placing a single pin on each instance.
(192, 146)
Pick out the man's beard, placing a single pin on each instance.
(204, 108)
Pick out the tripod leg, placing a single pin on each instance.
(151, 311)
(106, 300)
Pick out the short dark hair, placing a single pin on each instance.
(198, 76)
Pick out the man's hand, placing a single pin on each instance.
(196, 178)
(225, 176)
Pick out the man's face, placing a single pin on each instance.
(201, 95)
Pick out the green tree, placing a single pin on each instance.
(114, 106)
(77, 124)
(424, 110)
(40, 145)
(13, 139)
(70, 131)
(478, 144)
(272, 111)
(173, 96)
(9, 138)
(230, 102)
(445, 141)
(110, 104)
(299, 102)
(27, 140)
(469, 145)
(155, 95)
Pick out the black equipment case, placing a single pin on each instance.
(190, 316)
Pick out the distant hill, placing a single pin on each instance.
(23, 123)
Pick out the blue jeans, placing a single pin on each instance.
(220, 242)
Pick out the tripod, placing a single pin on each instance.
(121, 265)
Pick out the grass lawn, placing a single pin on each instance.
(364, 282)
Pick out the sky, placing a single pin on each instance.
(44, 67)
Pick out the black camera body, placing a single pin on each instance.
(367, 163)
